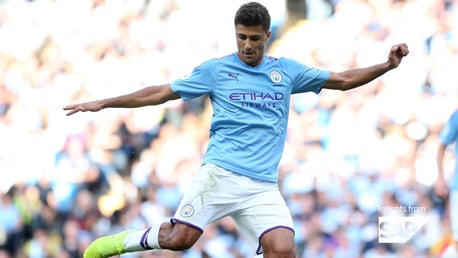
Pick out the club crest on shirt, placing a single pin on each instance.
(275, 76)
(187, 211)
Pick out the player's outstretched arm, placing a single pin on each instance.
(353, 78)
(152, 95)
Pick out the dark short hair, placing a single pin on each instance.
(253, 14)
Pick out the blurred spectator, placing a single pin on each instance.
(348, 155)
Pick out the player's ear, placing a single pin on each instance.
(268, 35)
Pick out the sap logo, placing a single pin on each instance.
(396, 229)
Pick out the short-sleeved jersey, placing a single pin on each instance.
(449, 135)
(250, 109)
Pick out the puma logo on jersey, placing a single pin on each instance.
(234, 76)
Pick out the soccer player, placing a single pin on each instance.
(250, 95)
(448, 136)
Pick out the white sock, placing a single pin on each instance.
(143, 239)
(450, 252)
(259, 256)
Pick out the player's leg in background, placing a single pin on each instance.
(452, 250)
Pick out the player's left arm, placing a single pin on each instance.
(353, 78)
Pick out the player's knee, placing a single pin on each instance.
(281, 251)
(279, 243)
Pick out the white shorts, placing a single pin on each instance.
(453, 206)
(256, 207)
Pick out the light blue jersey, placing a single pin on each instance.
(449, 135)
(251, 108)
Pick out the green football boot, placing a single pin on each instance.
(107, 246)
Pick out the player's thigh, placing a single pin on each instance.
(213, 194)
(264, 217)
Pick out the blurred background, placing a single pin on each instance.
(67, 180)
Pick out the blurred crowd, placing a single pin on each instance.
(350, 157)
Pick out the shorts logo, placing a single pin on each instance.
(187, 211)
(275, 76)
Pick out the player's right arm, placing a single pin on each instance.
(152, 95)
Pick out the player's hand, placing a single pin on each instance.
(92, 106)
(441, 188)
(397, 52)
